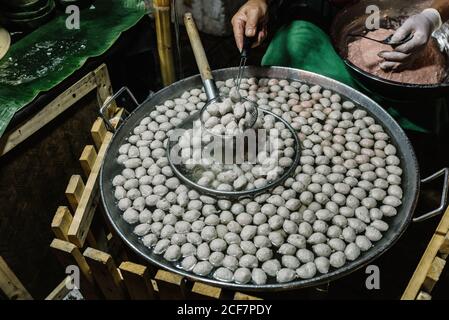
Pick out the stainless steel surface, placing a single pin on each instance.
(188, 123)
(398, 224)
(242, 66)
(443, 172)
(211, 89)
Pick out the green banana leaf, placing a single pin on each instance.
(50, 54)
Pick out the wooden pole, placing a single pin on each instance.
(106, 275)
(164, 40)
(11, 285)
(137, 281)
(69, 255)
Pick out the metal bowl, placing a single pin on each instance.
(34, 21)
(398, 224)
(28, 14)
(22, 5)
(352, 20)
(82, 4)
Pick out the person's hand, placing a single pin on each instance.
(251, 20)
(421, 26)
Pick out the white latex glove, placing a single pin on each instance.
(422, 27)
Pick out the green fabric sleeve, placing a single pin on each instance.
(305, 46)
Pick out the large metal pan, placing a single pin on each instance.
(398, 224)
(352, 19)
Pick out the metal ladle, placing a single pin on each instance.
(247, 45)
(207, 78)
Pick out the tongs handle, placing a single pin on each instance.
(247, 46)
(201, 59)
(197, 47)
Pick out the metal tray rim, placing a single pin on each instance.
(408, 158)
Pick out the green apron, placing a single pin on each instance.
(305, 46)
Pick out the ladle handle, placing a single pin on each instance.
(197, 46)
(201, 59)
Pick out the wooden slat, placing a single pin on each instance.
(98, 79)
(423, 296)
(243, 296)
(105, 273)
(84, 213)
(443, 226)
(11, 285)
(61, 291)
(104, 88)
(87, 159)
(61, 223)
(98, 132)
(137, 281)
(171, 286)
(205, 291)
(74, 191)
(444, 249)
(71, 256)
(68, 254)
(434, 273)
(116, 247)
(426, 261)
(424, 265)
(63, 217)
(61, 103)
(155, 287)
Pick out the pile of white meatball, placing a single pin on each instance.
(240, 164)
(334, 207)
(227, 118)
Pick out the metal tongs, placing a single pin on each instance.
(247, 45)
(387, 40)
(210, 88)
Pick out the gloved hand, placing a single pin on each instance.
(252, 17)
(421, 26)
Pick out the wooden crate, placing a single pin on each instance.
(106, 271)
(97, 81)
(431, 265)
